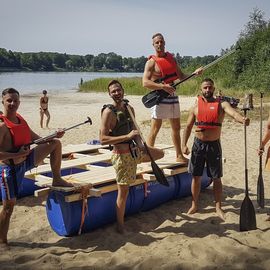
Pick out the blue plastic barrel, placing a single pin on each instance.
(65, 217)
(28, 188)
(157, 194)
(183, 183)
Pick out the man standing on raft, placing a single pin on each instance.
(16, 159)
(161, 65)
(207, 115)
(117, 129)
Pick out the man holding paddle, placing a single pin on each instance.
(160, 71)
(117, 129)
(265, 139)
(207, 114)
(16, 159)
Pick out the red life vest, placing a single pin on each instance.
(20, 133)
(207, 117)
(167, 66)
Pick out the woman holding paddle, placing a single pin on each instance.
(207, 115)
(117, 129)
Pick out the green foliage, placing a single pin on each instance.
(248, 69)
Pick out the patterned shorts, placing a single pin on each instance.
(7, 182)
(125, 167)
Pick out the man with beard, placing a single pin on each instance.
(16, 158)
(207, 114)
(117, 129)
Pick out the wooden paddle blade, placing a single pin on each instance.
(159, 174)
(260, 191)
(247, 216)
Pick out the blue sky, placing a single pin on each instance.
(198, 27)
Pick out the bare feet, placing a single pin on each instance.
(192, 210)
(4, 246)
(268, 218)
(182, 159)
(120, 229)
(220, 213)
(61, 183)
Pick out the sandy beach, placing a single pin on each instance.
(163, 238)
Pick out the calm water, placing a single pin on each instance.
(35, 82)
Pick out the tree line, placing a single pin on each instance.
(248, 68)
(50, 61)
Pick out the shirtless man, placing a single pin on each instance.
(44, 110)
(207, 115)
(265, 140)
(16, 159)
(159, 65)
(118, 130)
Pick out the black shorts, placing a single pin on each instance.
(208, 153)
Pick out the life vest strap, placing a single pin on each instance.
(208, 124)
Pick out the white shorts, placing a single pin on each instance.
(168, 108)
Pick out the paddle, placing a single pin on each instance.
(156, 170)
(54, 135)
(260, 185)
(247, 211)
(154, 97)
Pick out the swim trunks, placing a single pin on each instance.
(168, 108)
(8, 187)
(209, 153)
(125, 167)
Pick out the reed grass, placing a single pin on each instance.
(133, 86)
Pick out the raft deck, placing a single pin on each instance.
(98, 174)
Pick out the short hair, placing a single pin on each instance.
(44, 92)
(114, 82)
(208, 80)
(10, 91)
(157, 35)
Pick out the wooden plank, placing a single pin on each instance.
(104, 175)
(70, 163)
(175, 171)
(148, 176)
(42, 192)
(93, 192)
(80, 148)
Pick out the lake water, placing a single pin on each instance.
(35, 82)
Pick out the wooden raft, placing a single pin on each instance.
(98, 175)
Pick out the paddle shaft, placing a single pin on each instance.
(137, 127)
(260, 159)
(44, 139)
(245, 147)
(260, 184)
(177, 82)
(247, 211)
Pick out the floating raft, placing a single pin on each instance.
(78, 150)
(71, 211)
